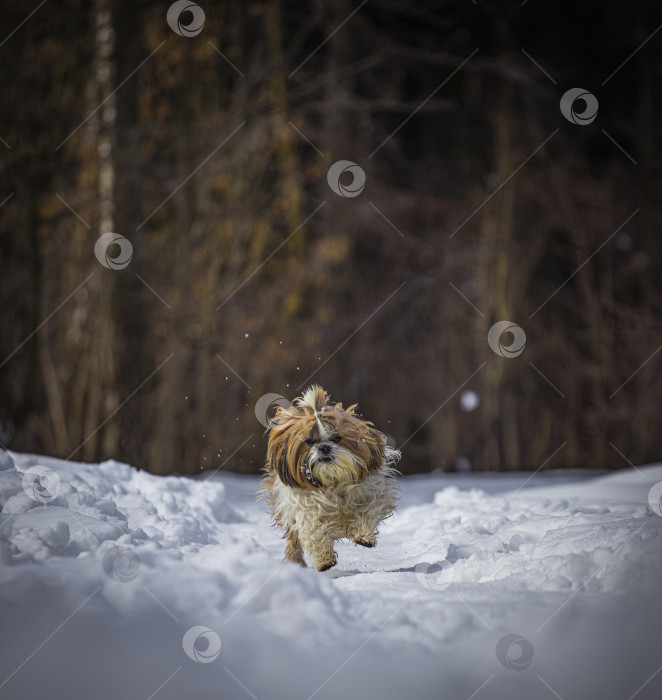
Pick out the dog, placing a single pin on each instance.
(329, 476)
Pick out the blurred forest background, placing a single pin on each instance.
(249, 275)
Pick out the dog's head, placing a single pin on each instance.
(315, 443)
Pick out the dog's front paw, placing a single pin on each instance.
(327, 564)
(365, 541)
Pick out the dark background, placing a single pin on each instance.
(250, 275)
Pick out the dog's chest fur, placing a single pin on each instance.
(337, 510)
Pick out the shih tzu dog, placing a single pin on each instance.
(330, 475)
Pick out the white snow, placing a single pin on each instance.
(105, 571)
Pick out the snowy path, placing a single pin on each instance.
(105, 568)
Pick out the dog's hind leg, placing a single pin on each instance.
(293, 550)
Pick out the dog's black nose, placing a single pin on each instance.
(324, 449)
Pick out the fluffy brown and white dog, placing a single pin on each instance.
(330, 476)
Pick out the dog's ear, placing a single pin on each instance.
(376, 443)
(277, 458)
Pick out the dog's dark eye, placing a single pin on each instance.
(309, 442)
(336, 439)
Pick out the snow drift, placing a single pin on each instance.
(118, 584)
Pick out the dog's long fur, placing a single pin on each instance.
(330, 476)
